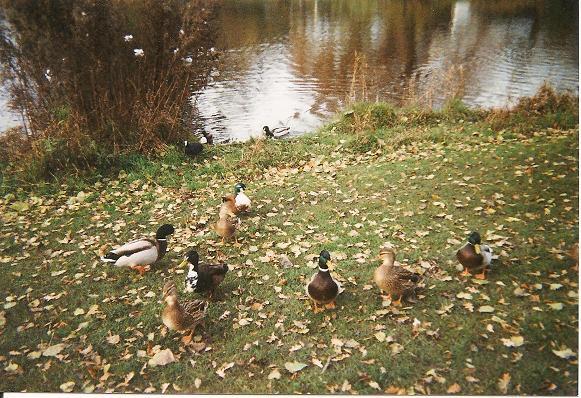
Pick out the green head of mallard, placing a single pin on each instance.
(239, 187)
(474, 238)
(164, 231)
(324, 258)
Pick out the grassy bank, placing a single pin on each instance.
(419, 179)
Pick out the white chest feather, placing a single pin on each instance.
(191, 280)
(242, 199)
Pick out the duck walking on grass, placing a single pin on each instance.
(322, 289)
(182, 316)
(203, 277)
(474, 256)
(392, 278)
(141, 253)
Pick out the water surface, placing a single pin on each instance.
(292, 62)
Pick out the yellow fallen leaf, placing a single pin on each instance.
(485, 309)
(68, 386)
(454, 389)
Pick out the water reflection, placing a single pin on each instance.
(291, 62)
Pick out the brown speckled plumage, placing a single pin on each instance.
(182, 316)
(392, 278)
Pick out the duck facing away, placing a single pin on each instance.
(182, 316)
(203, 277)
(228, 206)
(227, 226)
(322, 289)
(141, 253)
(392, 278)
(474, 256)
(242, 202)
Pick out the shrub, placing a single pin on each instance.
(103, 77)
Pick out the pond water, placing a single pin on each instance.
(291, 62)
(297, 62)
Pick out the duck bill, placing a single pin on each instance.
(184, 262)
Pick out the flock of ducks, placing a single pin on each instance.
(322, 289)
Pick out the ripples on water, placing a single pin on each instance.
(290, 63)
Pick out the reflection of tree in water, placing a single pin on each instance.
(408, 45)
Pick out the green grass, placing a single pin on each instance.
(421, 180)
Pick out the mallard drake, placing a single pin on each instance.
(276, 132)
(182, 316)
(141, 253)
(322, 288)
(228, 207)
(242, 201)
(392, 278)
(193, 149)
(203, 277)
(226, 227)
(474, 256)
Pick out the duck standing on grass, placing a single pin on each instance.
(392, 278)
(203, 277)
(141, 253)
(227, 223)
(322, 288)
(242, 201)
(193, 149)
(474, 256)
(182, 316)
(228, 206)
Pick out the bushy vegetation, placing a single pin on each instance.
(96, 79)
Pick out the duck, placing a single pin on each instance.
(242, 201)
(141, 253)
(474, 256)
(276, 132)
(208, 137)
(322, 288)
(227, 226)
(193, 149)
(203, 277)
(391, 278)
(228, 207)
(187, 315)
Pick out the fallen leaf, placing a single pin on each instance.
(113, 339)
(294, 367)
(68, 386)
(53, 350)
(162, 358)
(486, 308)
(274, 375)
(454, 389)
(514, 341)
(503, 383)
(222, 370)
(565, 353)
